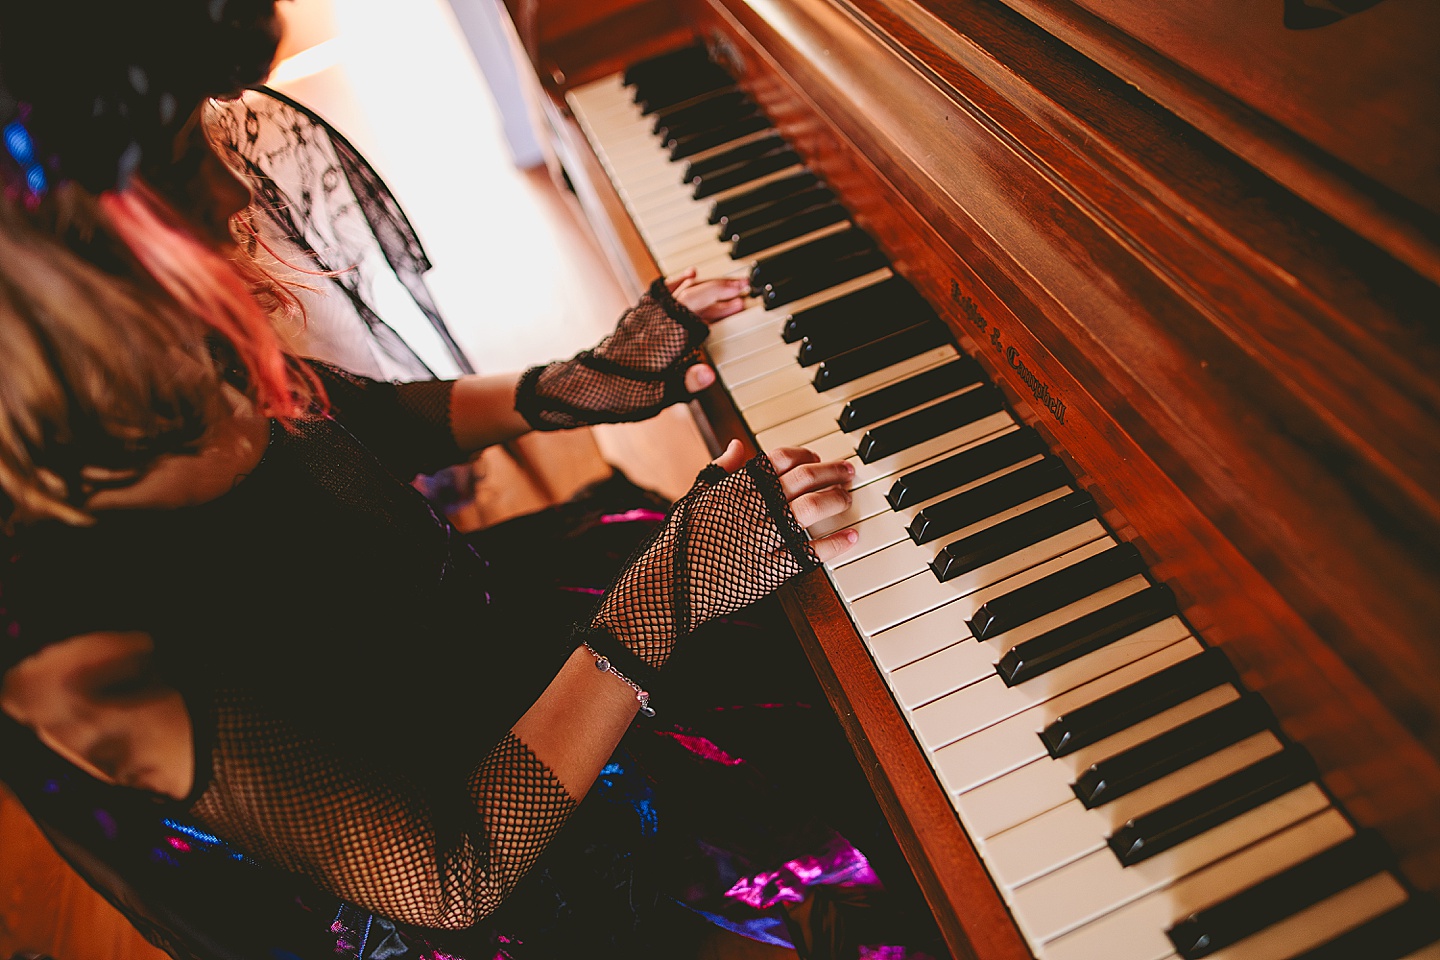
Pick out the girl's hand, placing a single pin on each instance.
(815, 490)
(710, 300)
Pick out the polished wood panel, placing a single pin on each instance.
(1228, 337)
(1341, 77)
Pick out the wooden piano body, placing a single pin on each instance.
(1200, 253)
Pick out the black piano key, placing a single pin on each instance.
(1050, 593)
(658, 65)
(859, 308)
(909, 393)
(1283, 895)
(680, 87)
(1073, 640)
(1149, 761)
(1141, 700)
(988, 499)
(854, 364)
(833, 341)
(1391, 936)
(790, 228)
(902, 433)
(743, 173)
(653, 98)
(683, 147)
(821, 277)
(773, 212)
(706, 112)
(727, 160)
(807, 221)
(756, 197)
(1013, 535)
(1143, 837)
(965, 467)
(809, 257)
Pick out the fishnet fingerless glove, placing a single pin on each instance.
(633, 374)
(727, 543)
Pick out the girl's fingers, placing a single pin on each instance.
(786, 459)
(713, 299)
(673, 283)
(698, 377)
(829, 547)
(811, 508)
(733, 457)
(809, 477)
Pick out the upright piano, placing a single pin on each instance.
(1129, 316)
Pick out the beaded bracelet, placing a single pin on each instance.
(603, 664)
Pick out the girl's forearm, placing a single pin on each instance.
(482, 411)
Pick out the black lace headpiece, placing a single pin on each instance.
(92, 90)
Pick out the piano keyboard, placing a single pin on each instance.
(1129, 798)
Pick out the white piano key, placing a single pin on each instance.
(766, 337)
(691, 248)
(952, 440)
(753, 317)
(670, 240)
(1320, 923)
(818, 234)
(916, 685)
(1010, 744)
(1432, 952)
(833, 446)
(914, 596)
(863, 572)
(958, 667)
(871, 510)
(1095, 885)
(771, 385)
(967, 711)
(753, 366)
(916, 638)
(892, 529)
(839, 290)
(1136, 930)
(721, 265)
(920, 637)
(902, 557)
(748, 395)
(796, 432)
(868, 501)
(992, 700)
(804, 399)
(1069, 831)
(817, 422)
(1043, 784)
(752, 185)
(710, 249)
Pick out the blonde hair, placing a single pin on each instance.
(111, 312)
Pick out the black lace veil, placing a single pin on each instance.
(320, 197)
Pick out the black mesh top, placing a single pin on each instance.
(352, 667)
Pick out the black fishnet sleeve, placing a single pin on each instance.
(426, 856)
(632, 374)
(405, 425)
(727, 543)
